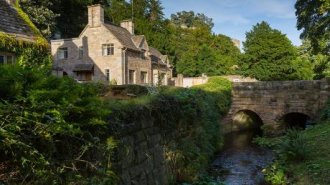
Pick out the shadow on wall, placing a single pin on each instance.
(77, 63)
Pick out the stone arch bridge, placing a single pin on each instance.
(272, 100)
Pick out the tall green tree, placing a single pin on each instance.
(268, 54)
(313, 17)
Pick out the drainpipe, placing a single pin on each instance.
(124, 61)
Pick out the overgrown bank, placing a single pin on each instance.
(57, 131)
(303, 156)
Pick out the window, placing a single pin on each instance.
(107, 74)
(10, 60)
(162, 79)
(131, 77)
(144, 77)
(6, 59)
(81, 52)
(108, 49)
(62, 53)
(2, 59)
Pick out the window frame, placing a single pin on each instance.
(145, 80)
(65, 51)
(108, 49)
(131, 81)
(107, 75)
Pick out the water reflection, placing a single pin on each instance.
(241, 162)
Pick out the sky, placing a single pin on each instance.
(236, 17)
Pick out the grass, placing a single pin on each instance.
(315, 168)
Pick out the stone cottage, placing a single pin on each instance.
(108, 53)
(12, 27)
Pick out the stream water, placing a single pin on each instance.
(241, 162)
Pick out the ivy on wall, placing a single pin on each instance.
(37, 53)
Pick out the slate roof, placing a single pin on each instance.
(12, 23)
(155, 52)
(158, 54)
(123, 35)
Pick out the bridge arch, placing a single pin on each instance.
(246, 119)
(295, 120)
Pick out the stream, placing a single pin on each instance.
(241, 162)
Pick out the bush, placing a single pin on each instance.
(294, 146)
(275, 174)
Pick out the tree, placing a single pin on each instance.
(313, 17)
(320, 62)
(191, 20)
(268, 54)
(40, 14)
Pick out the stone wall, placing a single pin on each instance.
(141, 155)
(272, 100)
(181, 81)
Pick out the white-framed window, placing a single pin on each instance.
(108, 49)
(62, 53)
(81, 52)
(7, 59)
(107, 74)
(144, 77)
(131, 77)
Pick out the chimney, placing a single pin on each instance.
(95, 15)
(128, 25)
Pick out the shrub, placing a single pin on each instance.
(294, 146)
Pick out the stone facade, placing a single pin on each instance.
(106, 53)
(271, 101)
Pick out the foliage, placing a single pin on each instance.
(206, 53)
(268, 54)
(190, 20)
(275, 174)
(37, 53)
(41, 15)
(55, 130)
(314, 19)
(51, 129)
(189, 119)
(320, 63)
(294, 146)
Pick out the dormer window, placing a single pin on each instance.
(108, 49)
(62, 53)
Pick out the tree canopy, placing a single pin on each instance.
(268, 54)
(313, 17)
